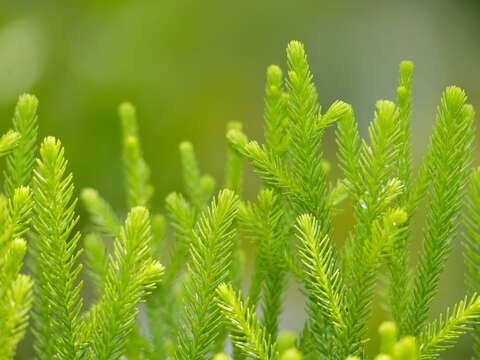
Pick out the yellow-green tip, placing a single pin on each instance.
(406, 67)
(27, 100)
(185, 147)
(296, 59)
(155, 269)
(50, 149)
(405, 349)
(207, 183)
(388, 332)
(18, 248)
(126, 109)
(274, 75)
(286, 340)
(455, 98)
(89, 195)
(295, 47)
(397, 216)
(27, 105)
(21, 194)
(237, 137)
(386, 112)
(221, 356)
(383, 357)
(291, 354)
(234, 125)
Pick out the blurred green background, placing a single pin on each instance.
(192, 66)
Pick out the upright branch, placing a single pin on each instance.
(263, 225)
(373, 187)
(210, 253)
(136, 171)
(447, 162)
(404, 104)
(323, 280)
(306, 135)
(101, 212)
(21, 160)
(130, 276)
(15, 288)
(234, 168)
(397, 265)
(275, 114)
(57, 321)
(199, 188)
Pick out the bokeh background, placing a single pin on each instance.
(192, 66)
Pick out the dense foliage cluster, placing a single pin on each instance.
(188, 309)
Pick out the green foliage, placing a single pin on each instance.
(323, 278)
(57, 321)
(397, 267)
(443, 333)
(15, 289)
(392, 348)
(211, 257)
(137, 172)
(377, 179)
(472, 244)
(131, 275)
(263, 224)
(185, 311)
(16, 293)
(448, 160)
(198, 188)
(101, 212)
(20, 162)
(276, 122)
(8, 142)
(97, 261)
(254, 341)
(234, 170)
(60, 331)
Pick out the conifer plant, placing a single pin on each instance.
(194, 308)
